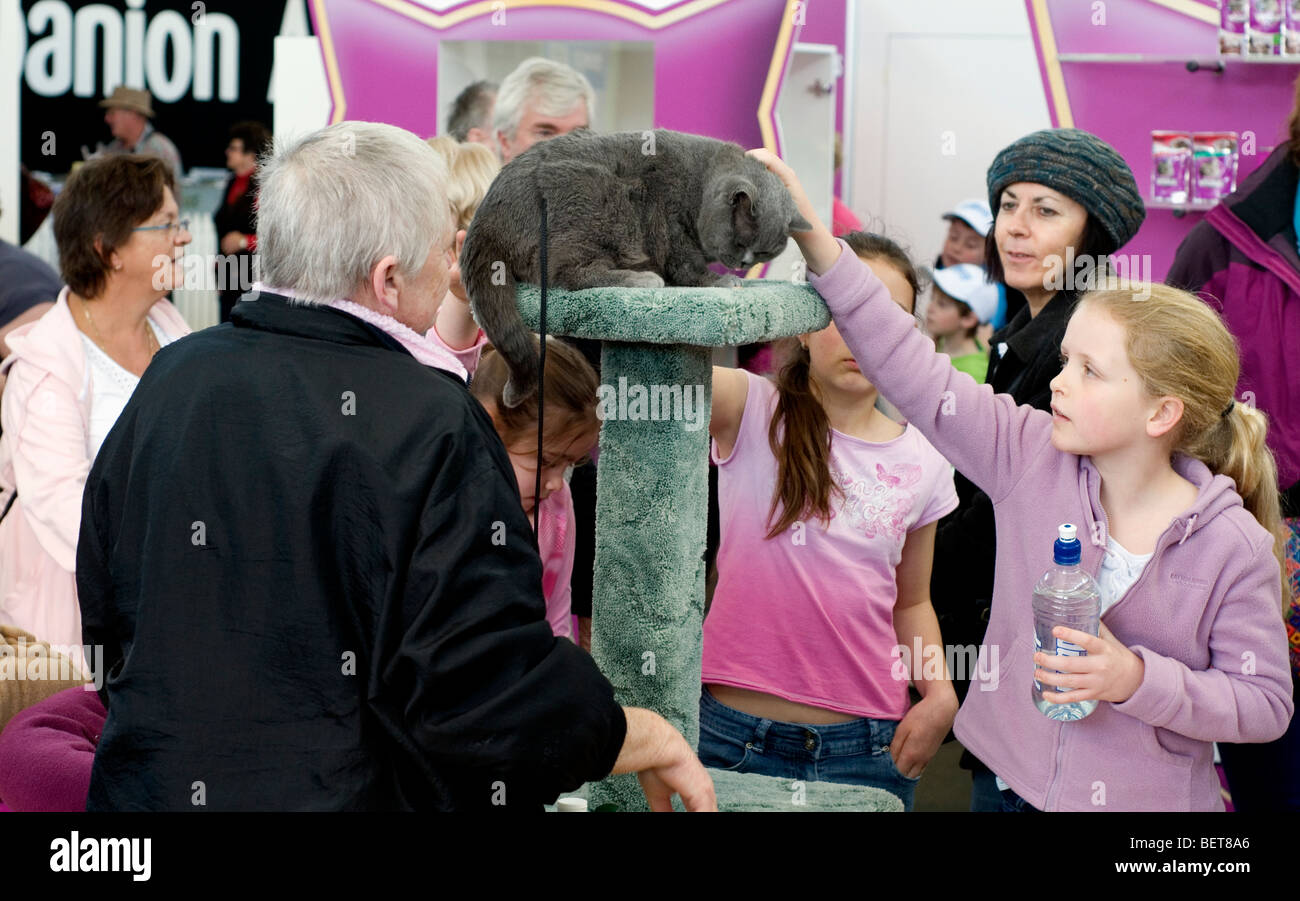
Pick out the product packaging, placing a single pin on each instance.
(1267, 20)
(1214, 165)
(1171, 165)
(1234, 16)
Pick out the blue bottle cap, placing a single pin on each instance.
(1067, 551)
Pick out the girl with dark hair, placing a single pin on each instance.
(828, 512)
(571, 432)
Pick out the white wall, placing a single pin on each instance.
(940, 86)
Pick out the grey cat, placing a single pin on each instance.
(622, 210)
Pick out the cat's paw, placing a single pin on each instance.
(727, 280)
(643, 280)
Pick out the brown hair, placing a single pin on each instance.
(1180, 347)
(104, 199)
(571, 394)
(800, 434)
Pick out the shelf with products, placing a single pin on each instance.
(1179, 208)
(1209, 62)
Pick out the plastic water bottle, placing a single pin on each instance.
(1064, 596)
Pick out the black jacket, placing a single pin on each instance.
(965, 543)
(240, 216)
(305, 556)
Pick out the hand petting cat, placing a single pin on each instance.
(819, 247)
(455, 324)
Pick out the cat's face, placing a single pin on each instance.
(747, 217)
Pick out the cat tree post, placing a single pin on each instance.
(652, 500)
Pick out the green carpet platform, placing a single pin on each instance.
(652, 501)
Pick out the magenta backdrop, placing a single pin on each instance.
(1124, 102)
(710, 68)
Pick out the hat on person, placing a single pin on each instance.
(967, 282)
(973, 212)
(1081, 166)
(134, 99)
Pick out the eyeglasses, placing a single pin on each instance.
(171, 227)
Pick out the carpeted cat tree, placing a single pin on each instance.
(652, 504)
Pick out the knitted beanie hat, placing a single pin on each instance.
(1081, 166)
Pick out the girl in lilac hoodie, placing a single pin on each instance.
(1146, 450)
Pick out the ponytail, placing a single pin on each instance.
(1236, 448)
(800, 433)
(800, 437)
(1180, 348)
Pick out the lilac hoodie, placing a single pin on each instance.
(1204, 616)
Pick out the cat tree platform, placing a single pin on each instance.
(652, 502)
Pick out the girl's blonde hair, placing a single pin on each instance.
(471, 168)
(1180, 348)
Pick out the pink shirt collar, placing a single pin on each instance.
(424, 349)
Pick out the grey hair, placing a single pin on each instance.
(472, 109)
(334, 203)
(554, 88)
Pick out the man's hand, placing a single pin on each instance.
(921, 732)
(664, 763)
(1109, 672)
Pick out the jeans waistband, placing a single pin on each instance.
(851, 737)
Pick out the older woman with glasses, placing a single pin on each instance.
(71, 372)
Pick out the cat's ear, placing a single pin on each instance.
(744, 222)
(799, 224)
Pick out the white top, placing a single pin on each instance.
(1119, 570)
(112, 387)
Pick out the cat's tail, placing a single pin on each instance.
(485, 272)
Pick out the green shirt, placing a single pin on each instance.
(976, 364)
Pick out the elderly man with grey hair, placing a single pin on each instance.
(540, 99)
(302, 548)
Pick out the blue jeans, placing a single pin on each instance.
(985, 796)
(855, 752)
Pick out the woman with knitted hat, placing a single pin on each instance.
(1059, 196)
(1174, 491)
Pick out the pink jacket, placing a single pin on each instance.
(1205, 615)
(45, 414)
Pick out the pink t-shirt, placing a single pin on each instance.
(809, 615)
(556, 545)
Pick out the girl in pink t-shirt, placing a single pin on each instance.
(571, 431)
(822, 613)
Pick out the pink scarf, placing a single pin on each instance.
(428, 352)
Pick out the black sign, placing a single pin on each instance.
(207, 65)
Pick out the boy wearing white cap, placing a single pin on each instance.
(968, 226)
(960, 301)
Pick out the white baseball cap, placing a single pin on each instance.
(975, 213)
(966, 282)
